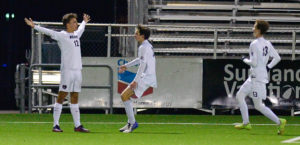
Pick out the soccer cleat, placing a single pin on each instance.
(281, 126)
(81, 129)
(243, 126)
(56, 128)
(131, 127)
(125, 127)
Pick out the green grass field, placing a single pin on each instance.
(34, 129)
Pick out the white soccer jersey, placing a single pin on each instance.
(69, 45)
(146, 59)
(260, 51)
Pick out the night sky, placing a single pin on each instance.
(15, 35)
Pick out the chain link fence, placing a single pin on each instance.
(117, 40)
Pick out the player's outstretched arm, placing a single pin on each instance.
(129, 64)
(86, 19)
(133, 62)
(53, 34)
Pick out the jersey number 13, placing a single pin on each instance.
(265, 51)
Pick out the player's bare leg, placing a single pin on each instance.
(57, 110)
(74, 107)
(132, 124)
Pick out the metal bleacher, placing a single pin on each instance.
(221, 27)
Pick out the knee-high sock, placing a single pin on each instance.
(270, 114)
(265, 111)
(76, 114)
(56, 113)
(243, 107)
(129, 111)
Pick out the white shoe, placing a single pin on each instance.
(131, 127)
(125, 127)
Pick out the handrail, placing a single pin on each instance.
(31, 85)
(167, 26)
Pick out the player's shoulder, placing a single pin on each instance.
(268, 42)
(146, 45)
(63, 32)
(253, 43)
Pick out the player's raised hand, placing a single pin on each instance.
(122, 68)
(86, 17)
(29, 22)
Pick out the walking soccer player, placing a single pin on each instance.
(255, 86)
(145, 77)
(71, 65)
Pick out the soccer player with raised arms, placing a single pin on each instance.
(71, 65)
(145, 77)
(255, 86)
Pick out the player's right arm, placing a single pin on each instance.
(129, 64)
(51, 33)
(253, 56)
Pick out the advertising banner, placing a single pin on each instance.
(222, 78)
(179, 81)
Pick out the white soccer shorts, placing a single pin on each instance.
(254, 89)
(140, 89)
(70, 81)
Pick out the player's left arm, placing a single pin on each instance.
(276, 58)
(253, 57)
(80, 30)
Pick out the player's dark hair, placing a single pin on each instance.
(68, 17)
(144, 31)
(263, 26)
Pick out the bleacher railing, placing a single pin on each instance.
(110, 40)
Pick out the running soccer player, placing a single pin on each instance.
(145, 77)
(71, 65)
(255, 86)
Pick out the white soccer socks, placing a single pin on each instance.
(76, 114)
(129, 111)
(268, 113)
(56, 113)
(243, 107)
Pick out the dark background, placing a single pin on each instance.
(15, 35)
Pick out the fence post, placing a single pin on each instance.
(22, 88)
(135, 47)
(40, 70)
(109, 41)
(294, 45)
(215, 43)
